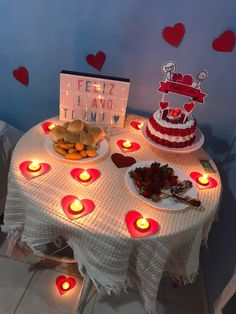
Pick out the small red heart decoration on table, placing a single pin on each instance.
(187, 79)
(136, 125)
(177, 77)
(131, 218)
(88, 205)
(164, 105)
(122, 161)
(212, 182)
(45, 126)
(94, 173)
(63, 279)
(135, 146)
(32, 174)
(225, 42)
(21, 74)
(96, 61)
(188, 107)
(174, 34)
(175, 112)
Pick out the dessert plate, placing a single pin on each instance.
(198, 142)
(167, 203)
(101, 152)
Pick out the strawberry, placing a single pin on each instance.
(173, 180)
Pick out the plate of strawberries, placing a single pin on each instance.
(153, 183)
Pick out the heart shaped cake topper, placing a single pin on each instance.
(65, 284)
(122, 161)
(164, 105)
(188, 107)
(66, 202)
(96, 61)
(187, 79)
(177, 77)
(94, 175)
(131, 220)
(175, 112)
(44, 168)
(225, 42)
(174, 35)
(21, 75)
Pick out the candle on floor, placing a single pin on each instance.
(142, 224)
(85, 176)
(76, 206)
(127, 144)
(203, 180)
(34, 166)
(65, 286)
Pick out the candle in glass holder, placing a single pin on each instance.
(85, 176)
(65, 286)
(203, 180)
(127, 144)
(76, 206)
(34, 166)
(51, 126)
(142, 224)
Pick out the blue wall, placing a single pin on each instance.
(48, 36)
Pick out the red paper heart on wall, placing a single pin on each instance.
(164, 105)
(188, 107)
(225, 42)
(21, 75)
(187, 79)
(177, 77)
(96, 61)
(62, 280)
(174, 35)
(122, 161)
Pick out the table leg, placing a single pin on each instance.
(81, 302)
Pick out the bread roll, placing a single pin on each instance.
(97, 132)
(72, 137)
(76, 126)
(57, 133)
(87, 139)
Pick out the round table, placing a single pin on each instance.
(100, 240)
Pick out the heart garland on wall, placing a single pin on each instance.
(173, 35)
(96, 61)
(21, 75)
(225, 42)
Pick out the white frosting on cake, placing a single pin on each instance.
(158, 119)
(170, 138)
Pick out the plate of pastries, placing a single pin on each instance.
(77, 141)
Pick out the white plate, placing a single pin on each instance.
(168, 203)
(101, 151)
(198, 142)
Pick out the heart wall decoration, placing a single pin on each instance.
(173, 35)
(96, 61)
(225, 42)
(21, 75)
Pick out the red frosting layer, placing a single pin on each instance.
(164, 142)
(172, 131)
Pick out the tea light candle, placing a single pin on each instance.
(139, 126)
(85, 176)
(142, 224)
(34, 166)
(65, 286)
(51, 126)
(127, 144)
(203, 180)
(76, 206)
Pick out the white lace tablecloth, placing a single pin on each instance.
(100, 240)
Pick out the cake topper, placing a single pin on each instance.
(183, 84)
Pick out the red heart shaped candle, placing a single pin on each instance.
(47, 126)
(75, 208)
(136, 125)
(122, 161)
(65, 284)
(85, 177)
(32, 169)
(174, 35)
(138, 226)
(127, 146)
(203, 181)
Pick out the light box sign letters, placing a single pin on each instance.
(97, 99)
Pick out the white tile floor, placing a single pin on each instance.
(24, 292)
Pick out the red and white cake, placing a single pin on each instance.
(166, 129)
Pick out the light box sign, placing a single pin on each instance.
(97, 99)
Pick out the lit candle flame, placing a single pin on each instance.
(142, 223)
(203, 179)
(65, 285)
(139, 126)
(127, 144)
(76, 206)
(85, 175)
(51, 126)
(34, 166)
